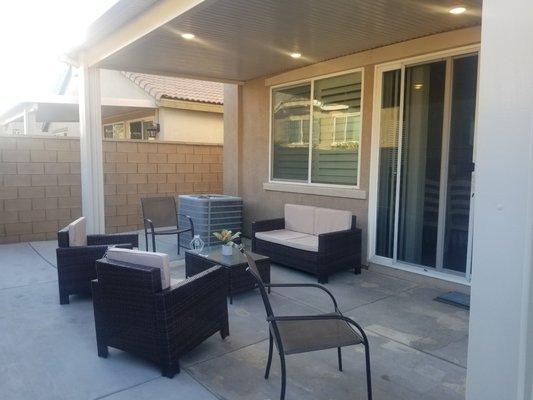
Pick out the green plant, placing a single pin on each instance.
(227, 237)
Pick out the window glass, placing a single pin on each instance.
(136, 130)
(147, 125)
(336, 129)
(290, 132)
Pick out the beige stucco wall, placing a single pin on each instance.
(191, 126)
(250, 128)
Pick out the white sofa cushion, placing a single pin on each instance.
(146, 258)
(328, 220)
(77, 232)
(279, 236)
(299, 218)
(307, 243)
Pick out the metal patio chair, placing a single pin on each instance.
(305, 333)
(160, 216)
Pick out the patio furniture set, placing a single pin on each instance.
(139, 309)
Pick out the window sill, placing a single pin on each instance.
(330, 191)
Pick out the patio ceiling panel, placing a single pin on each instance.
(243, 39)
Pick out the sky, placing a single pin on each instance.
(33, 35)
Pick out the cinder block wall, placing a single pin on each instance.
(40, 184)
(133, 170)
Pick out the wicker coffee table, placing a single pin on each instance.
(239, 280)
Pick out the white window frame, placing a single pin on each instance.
(379, 69)
(292, 184)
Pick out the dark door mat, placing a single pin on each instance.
(457, 299)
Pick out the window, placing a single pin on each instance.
(114, 131)
(325, 151)
(136, 130)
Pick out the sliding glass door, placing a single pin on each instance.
(426, 127)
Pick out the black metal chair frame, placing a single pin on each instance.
(148, 224)
(274, 319)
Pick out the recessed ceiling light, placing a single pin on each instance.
(188, 36)
(457, 10)
(296, 55)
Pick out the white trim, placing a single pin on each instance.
(158, 15)
(444, 164)
(125, 102)
(311, 82)
(425, 271)
(374, 157)
(315, 189)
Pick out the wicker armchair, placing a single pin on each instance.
(155, 324)
(75, 265)
(296, 334)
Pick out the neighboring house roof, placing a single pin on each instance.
(179, 88)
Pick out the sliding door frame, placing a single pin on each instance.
(401, 65)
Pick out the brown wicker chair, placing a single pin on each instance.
(160, 217)
(298, 334)
(155, 324)
(75, 264)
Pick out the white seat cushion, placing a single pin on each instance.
(328, 220)
(77, 232)
(300, 218)
(146, 258)
(307, 243)
(279, 236)
(175, 281)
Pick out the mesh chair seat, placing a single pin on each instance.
(310, 335)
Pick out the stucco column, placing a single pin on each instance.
(500, 354)
(232, 138)
(92, 176)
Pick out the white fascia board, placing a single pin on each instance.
(148, 21)
(125, 102)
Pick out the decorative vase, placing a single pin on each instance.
(197, 244)
(227, 249)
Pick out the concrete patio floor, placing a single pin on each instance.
(48, 351)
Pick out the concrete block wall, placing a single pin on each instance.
(40, 188)
(40, 183)
(133, 170)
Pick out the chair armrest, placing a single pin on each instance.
(118, 239)
(305, 285)
(148, 221)
(207, 288)
(78, 256)
(322, 317)
(267, 225)
(339, 242)
(190, 222)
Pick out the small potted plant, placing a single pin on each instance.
(227, 237)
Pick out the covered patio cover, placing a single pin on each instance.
(237, 40)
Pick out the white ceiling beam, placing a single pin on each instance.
(156, 16)
(174, 74)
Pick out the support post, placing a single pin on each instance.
(232, 138)
(26, 121)
(500, 353)
(92, 176)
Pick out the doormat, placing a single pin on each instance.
(457, 299)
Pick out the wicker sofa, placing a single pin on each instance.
(77, 254)
(156, 318)
(317, 240)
